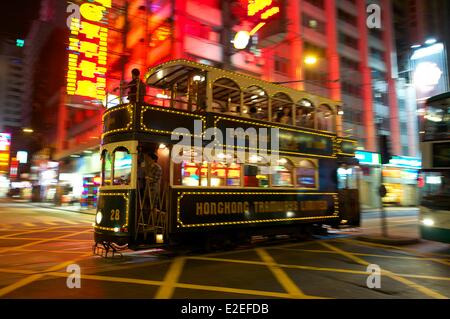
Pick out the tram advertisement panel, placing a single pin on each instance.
(118, 119)
(290, 140)
(196, 209)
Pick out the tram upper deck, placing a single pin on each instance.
(191, 89)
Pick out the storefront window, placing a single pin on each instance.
(223, 174)
(122, 166)
(306, 174)
(282, 173)
(194, 174)
(106, 168)
(347, 177)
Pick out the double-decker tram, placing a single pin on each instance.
(434, 178)
(236, 157)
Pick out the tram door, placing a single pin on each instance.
(348, 189)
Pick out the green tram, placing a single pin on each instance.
(312, 182)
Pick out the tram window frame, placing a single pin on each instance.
(290, 170)
(128, 181)
(299, 167)
(105, 152)
(200, 166)
(226, 167)
(259, 172)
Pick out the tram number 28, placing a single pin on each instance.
(115, 214)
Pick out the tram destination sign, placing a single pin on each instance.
(197, 209)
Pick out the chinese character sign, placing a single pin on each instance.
(5, 144)
(86, 75)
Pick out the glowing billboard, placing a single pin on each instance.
(5, 144)
(86, 75)
(429, 71)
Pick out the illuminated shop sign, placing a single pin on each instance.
(402, 161)
(86, 75)
(5, 144)
(368, 158)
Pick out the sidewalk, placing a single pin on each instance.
(68, 208)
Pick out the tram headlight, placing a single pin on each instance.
(428, 222)
(98, 217)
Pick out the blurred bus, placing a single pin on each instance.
(434, 179)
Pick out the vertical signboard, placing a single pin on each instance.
(5, 145)
(86, 75)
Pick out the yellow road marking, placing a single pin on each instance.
(171, 278)
(26, 281)
(29, 232)
(408, 250)
(409, 283)
(261, 263)
(40, 242)
(283, 278)
(356, 254)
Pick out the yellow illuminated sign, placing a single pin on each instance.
(86, 72)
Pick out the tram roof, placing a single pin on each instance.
(444, 98)
(164, 74)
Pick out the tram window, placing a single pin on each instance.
(305, 114)
(122, 166)
(256, 176)
(306, 174)
(223, 174)
(194, 174)
(325, 118)
(107, 168)
(282, 173)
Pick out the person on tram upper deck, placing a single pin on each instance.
(286, 117)
(133, 87)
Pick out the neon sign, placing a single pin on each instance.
(86, 75)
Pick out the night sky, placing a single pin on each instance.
(16, 17)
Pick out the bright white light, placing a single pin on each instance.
(427, 74)
(290, 214)
(198, 78)
(341, 113)
(282, 161)
(241, 40)
(254, 97)
(74, 156)
(434, 49)
(116, 229)
(98, 217)
(162, 96)
(159, 74)
(415, 46)
(22, 157)
(428, 222)
(310, 60)
(430, 41)
(433, 180)
(261, 93)
(87, 152)
(162, 146)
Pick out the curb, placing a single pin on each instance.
(65, 210)
(396, 241)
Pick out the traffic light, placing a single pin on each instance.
(385, 149)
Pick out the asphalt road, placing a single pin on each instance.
(37, 245)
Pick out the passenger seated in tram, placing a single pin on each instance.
(285, 117)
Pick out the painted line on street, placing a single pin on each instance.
(285, 281)
(424, 290)
(166, 290)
